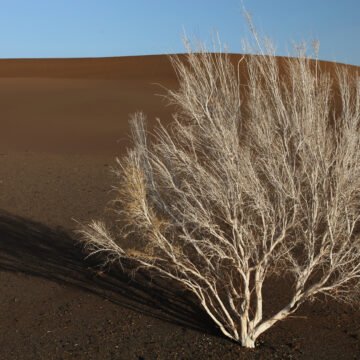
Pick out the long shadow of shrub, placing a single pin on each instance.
(35, 249)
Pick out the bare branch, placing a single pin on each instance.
(258, 177)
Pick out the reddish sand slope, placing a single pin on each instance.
(62, 122)
(78, 105)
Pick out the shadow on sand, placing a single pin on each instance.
(35, 249)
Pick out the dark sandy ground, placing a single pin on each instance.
(62, 123)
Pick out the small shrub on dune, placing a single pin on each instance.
(257, 178)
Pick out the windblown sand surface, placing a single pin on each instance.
(62, 123)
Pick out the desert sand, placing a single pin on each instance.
(62, 123)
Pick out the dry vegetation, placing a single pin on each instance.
(257, 178)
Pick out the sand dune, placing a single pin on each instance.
(62, 123)
(78, 105)
(81, 105)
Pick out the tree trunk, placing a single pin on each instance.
(248, 342)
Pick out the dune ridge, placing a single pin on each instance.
(83, 105)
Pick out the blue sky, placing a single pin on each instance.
(93, 28)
